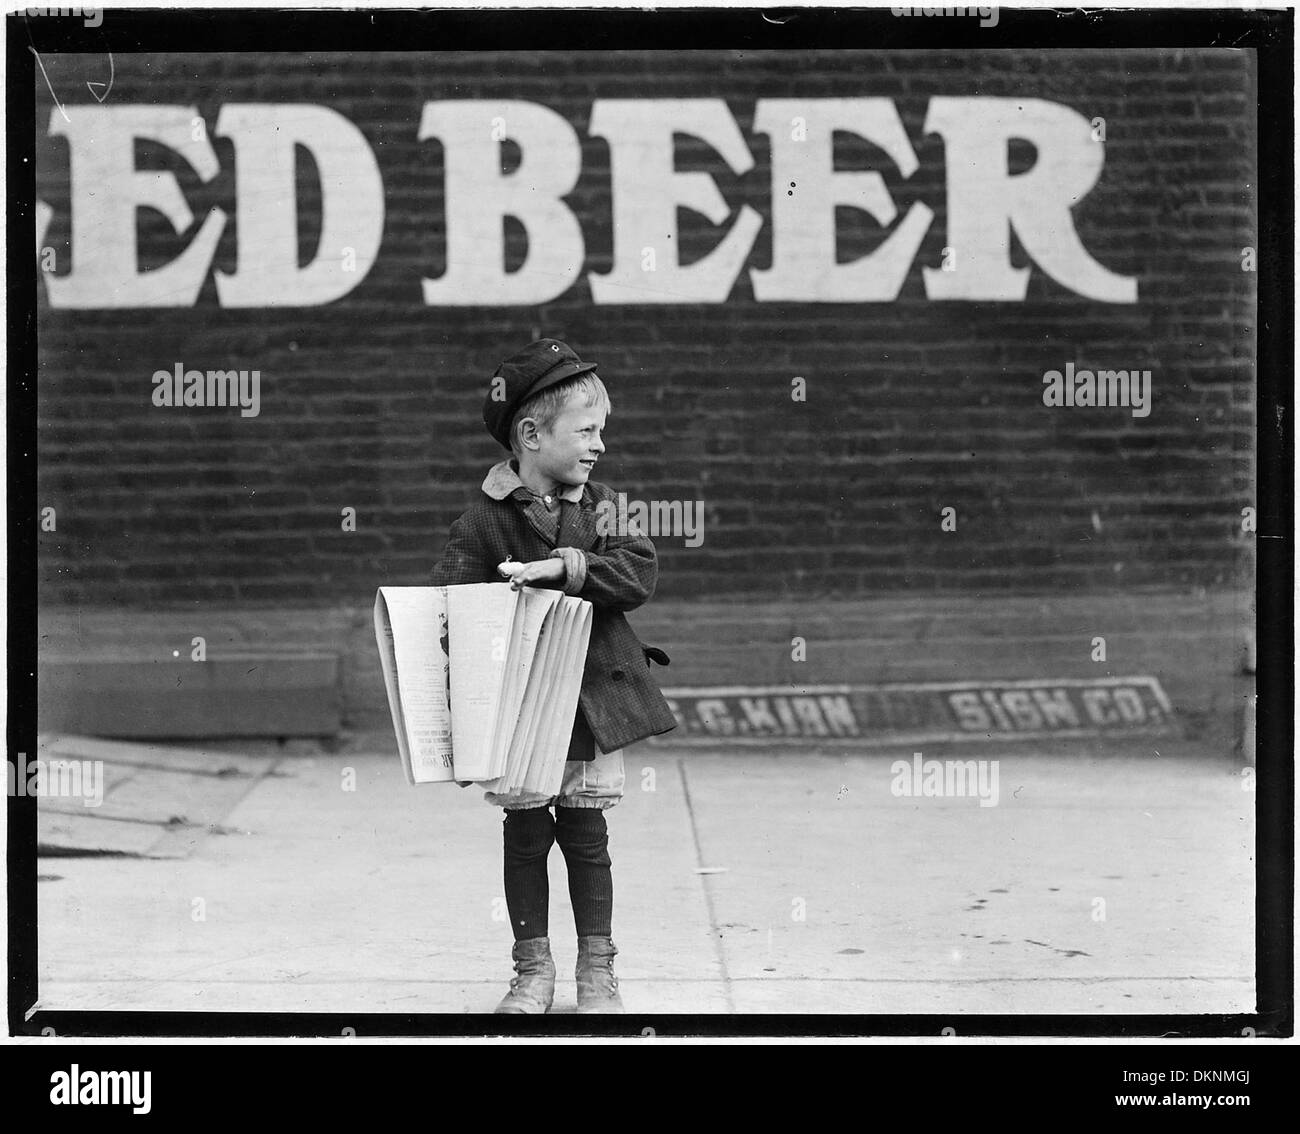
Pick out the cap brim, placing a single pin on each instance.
(561, 373)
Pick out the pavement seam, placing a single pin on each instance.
(714, 932)
(181, 842)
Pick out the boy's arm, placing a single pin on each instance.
(621, 578)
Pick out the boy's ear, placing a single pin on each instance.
(528, 433)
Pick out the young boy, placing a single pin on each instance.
(537, 524)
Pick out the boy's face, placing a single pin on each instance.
(567, 452)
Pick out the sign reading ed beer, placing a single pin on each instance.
(926, 711)
(985, 203)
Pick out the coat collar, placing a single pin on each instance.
(503, 480)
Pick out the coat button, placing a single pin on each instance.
(617, 674)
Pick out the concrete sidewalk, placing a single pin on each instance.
(744, 883)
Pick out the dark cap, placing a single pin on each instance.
(532, 370)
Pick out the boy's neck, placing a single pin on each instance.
(537, 481)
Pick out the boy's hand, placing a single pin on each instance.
(539, 571)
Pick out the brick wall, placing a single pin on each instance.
(373, 402)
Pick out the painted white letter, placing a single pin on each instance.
(107, 189)
(479, 198)
(648, 191)
(985, 201)
(806, 191)
(352, 205)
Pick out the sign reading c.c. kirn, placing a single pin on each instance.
(985, 203)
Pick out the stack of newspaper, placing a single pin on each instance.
(483, 681)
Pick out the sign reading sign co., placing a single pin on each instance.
(908, 712)
(985, 203)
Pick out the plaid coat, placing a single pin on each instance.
(619, 702)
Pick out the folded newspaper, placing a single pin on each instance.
(483, 681)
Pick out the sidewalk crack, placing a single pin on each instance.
(708, 894)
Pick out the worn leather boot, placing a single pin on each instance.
(532, 989)
(597, 984)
